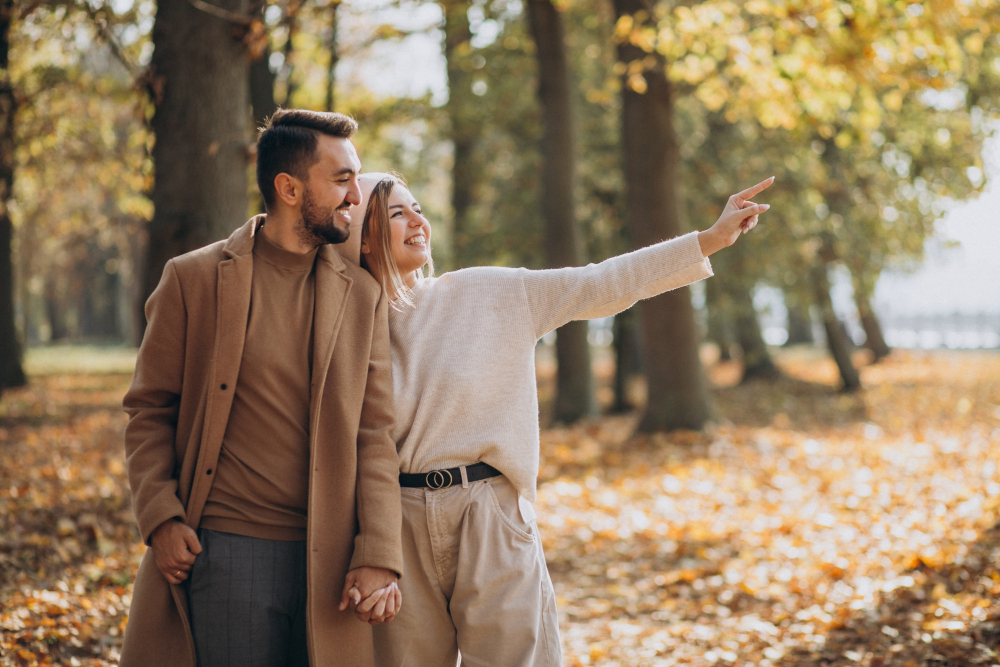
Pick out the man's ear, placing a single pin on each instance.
(288, 189)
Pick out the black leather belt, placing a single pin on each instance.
(442, 479)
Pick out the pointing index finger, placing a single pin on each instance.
(760, 187)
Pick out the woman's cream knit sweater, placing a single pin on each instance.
(463, 357)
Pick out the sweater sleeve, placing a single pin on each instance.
(152, 403)
(558, 296)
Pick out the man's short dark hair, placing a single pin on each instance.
(287, 144)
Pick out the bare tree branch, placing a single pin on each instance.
(116, 47)
(385, 32)
(224, 14)
(29, 7)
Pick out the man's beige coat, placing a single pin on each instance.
(178, 406)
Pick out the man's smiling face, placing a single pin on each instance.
(330, 191)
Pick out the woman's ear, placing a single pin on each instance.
(364, 248)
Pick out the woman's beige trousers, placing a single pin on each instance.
(474, 583)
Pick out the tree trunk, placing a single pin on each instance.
(838, 198)
(463, 128)
(201, 124)
(261, 85)
(262, 104)
(261, 82)
(874, 340)
(628, 360)
(331, 47)
(799, 323)
(563, 245)
(292, 24)
(141, 256)
(24, 264)
(836, 337)
(125, 294)
(55, 311)
(11, 371)
(757, 362)
(678, 397)
(720, 330)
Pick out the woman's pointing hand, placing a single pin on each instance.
(739, 215)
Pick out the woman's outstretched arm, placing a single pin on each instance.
(557, 296)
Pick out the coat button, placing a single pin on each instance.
(208, 472)
(224, 387)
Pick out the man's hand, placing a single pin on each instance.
(381, 606)
(175, 546)
(739, 215)
(361, 582)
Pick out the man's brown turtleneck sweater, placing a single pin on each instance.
(261, 485)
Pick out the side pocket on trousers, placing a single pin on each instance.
(526, 533)
(197, 575)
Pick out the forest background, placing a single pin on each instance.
(569, 132)
(566, 132)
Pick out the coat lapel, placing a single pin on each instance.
(233, 289)
(332, 289)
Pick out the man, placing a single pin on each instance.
(258, 446)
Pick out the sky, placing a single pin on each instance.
(961, 272)
(406, 68)
(965, 277)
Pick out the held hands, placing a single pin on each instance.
(381, 606)
(739, 215)
(372, 593)
(175, 546)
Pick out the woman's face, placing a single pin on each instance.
(410, 233)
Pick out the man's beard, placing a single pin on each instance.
(319, 223)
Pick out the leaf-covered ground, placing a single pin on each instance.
(808, 528)
(812, 528)
(68, 546)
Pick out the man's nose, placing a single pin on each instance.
(354, 193)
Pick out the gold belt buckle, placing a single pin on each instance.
(435, 479)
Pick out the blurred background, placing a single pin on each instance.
(535, 134)
(793, 463)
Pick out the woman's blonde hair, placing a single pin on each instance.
(376, 233)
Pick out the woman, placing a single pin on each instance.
(463, 356)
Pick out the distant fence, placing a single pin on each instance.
(955, 331)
